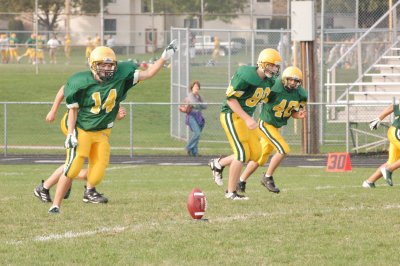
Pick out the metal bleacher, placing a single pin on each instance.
(376, 85)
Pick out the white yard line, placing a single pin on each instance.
(182, 164)
(121, 167)
(67, 235)
(155, 224)
(49, 161)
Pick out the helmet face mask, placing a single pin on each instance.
(292, 78)
(291, 83)
(269, 61)
(105, 70)
(103, 63)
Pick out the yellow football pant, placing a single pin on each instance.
(244, 142)
(271, 139)
(13, 52)
(394, 146)
(93, 145)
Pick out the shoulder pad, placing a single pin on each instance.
(249, 74)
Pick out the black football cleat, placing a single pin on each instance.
(269, 183)
(41, 193)
(241, 187)
(92, 196)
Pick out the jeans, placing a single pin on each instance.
(193, 143)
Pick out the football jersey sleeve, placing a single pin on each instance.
(303, 97)
(240, 82)
(75, 86)
(396, 110)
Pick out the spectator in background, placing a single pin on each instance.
(192, 44)
(67, 49)
(40, 50)
(4, 48)
(110, 41)
(97, 41)
(89, 48)
(215, 54)
(13, 43)
(194, 118)
(53, 44)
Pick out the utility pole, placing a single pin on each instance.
(67, 17)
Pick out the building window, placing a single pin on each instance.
(146, 6)
(190, 23)
(263, 23)
(259, 1)
(110, 26)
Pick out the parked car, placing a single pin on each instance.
(204, 44)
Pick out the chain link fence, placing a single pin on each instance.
(351, 35)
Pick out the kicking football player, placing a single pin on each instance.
(249, 86)
(93, 99)
(42, 191)
(393, 134)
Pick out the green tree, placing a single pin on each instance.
(50, 10)
(224, 10)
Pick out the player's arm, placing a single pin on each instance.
(374, 124)
(71, 140)
(301, 112)
(121, 113)
(56, 104)
(152, 70)
(235, 106)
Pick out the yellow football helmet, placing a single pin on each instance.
(294, 73)
(269, 61)
(103, 55)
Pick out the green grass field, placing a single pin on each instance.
(318, 218)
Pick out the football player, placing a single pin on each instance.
(93, 98)
(30, 51)
(249, 86)
(393, 134)
(42, 191)
(13, 41)
(67, 48)
(287, 99)
(89, 47)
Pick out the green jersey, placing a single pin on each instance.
(248, 88)
(280, 104)
(12, 42)
(40, 44)
(98, 103)
(31, 43)
(396, 112)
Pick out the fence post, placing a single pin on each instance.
(5, 130)
(131, 129)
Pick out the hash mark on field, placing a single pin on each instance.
(50, 161)
(121, 167)
(11, 159)
(184, 164)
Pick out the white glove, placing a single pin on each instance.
(169, 51)
(374, 124)
(71, 141)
